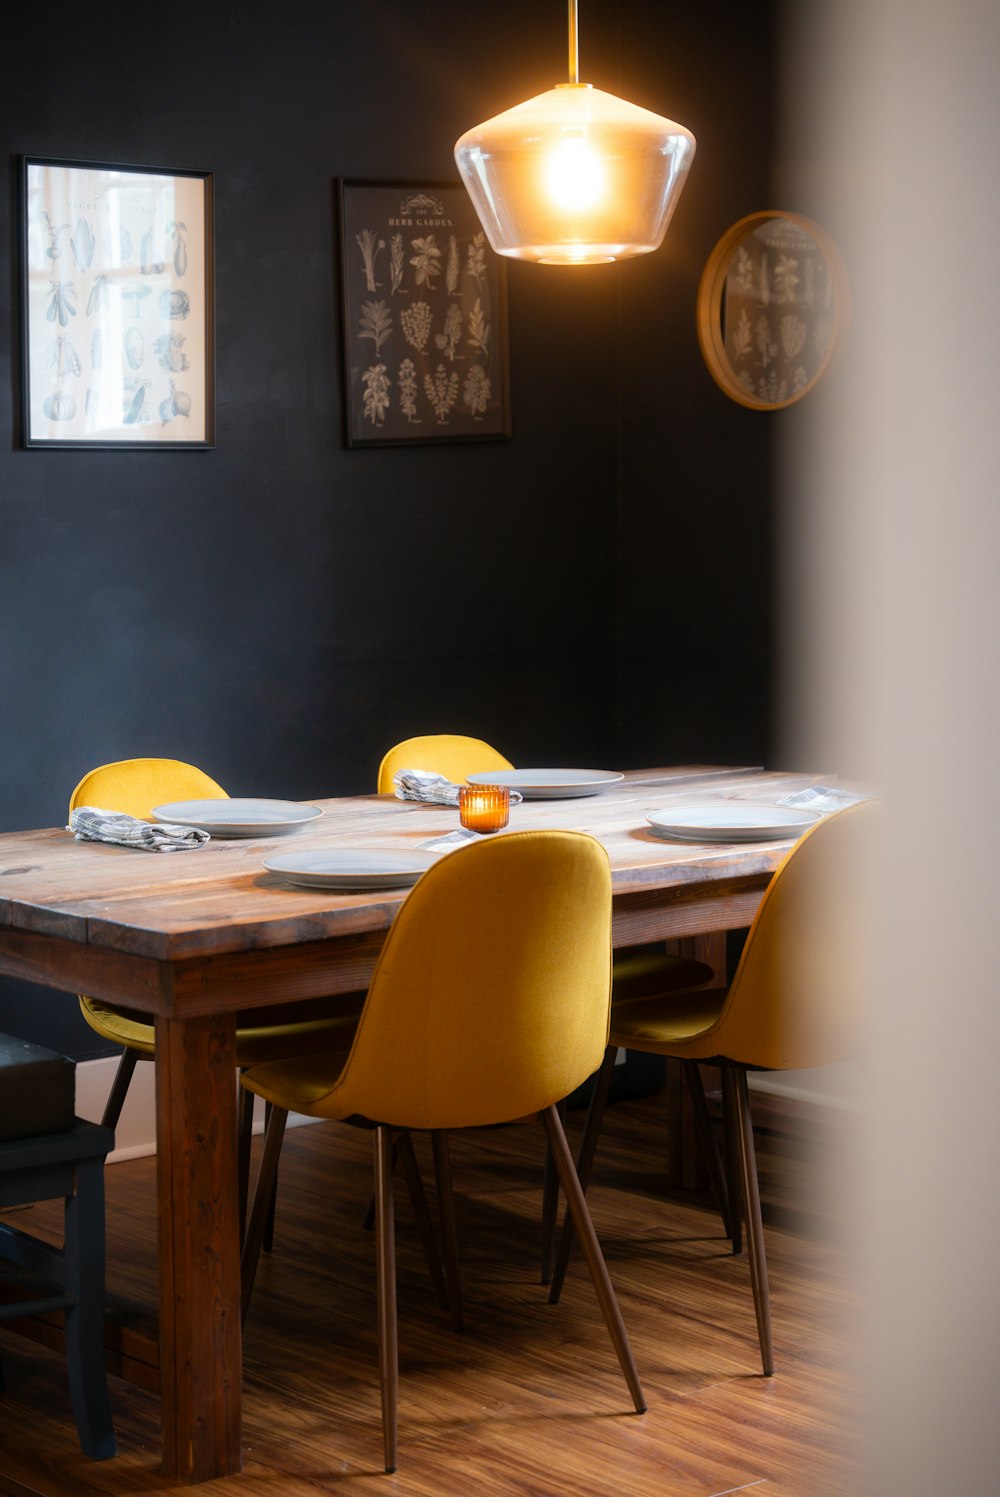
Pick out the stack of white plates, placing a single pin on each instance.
(351, 869)
(240, 818)
(729, 821)
(551, 784)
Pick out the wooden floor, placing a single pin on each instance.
(528, 1399)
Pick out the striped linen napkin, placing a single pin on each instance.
(433, 789)
(824, 798)
(91, 824)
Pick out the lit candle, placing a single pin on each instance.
(484, 808)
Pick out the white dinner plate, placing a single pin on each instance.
(356, 868)
(550, 784)
(239, 818)
(728, 821)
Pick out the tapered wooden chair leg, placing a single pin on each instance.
(584, 1164)
(577, 1204)
(731, 1138)
(267, 1242)
(263, 1195)
(755, 1226)
(386, 1288)
(403, 1150)
(369, 1216)
(550, 1206)
(706, 1137)
(449, 1234)
(119, 1088)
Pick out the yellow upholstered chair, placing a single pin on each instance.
(135, 786)
(488, 1004)
(793, 1004)
(640, 973)
(442, 753)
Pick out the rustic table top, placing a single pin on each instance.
(221, 898)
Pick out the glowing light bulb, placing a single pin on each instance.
(575, 174)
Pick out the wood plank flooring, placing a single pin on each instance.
(528, 1401)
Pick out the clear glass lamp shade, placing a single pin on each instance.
(575, 176)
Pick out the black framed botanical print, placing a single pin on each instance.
(423, 314)
(117, 305)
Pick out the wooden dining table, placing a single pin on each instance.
(191, 937)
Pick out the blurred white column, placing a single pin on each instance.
(892, 568)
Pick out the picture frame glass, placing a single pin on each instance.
(424, 316)
(773, 306)
(117, 306)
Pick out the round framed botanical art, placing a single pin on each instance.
(772, 308)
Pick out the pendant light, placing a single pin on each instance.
(575, 176)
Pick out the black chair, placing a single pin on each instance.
(67, 1163)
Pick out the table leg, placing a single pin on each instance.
(198, 1203)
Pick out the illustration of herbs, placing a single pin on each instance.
(169, 351)
(426, 261)
(476, 391)
(742, 336)
(61, 305)
(743, 279)
(448, 341)
(765, 288)
(395, 263)
(765, 347)
(53, 252)
(451, 275)
(773, 389)
(369, 244)
(786, 278)
(441, 391)
(416, 324)
(792, 332)
(822, 333)
(82, 244)
(408, 391)
(475, 260)
(479, 330)
(176, 230)
(98, 295)
(376, 383)
(147, 264)
(376, 323)
(62, 357)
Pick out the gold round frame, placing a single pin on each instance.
(752, 332)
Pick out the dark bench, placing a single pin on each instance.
(46, 1152)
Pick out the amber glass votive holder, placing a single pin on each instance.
(484, 808)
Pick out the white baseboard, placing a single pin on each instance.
(136, 1131)
(831, 1086)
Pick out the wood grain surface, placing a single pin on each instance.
(527, 1401)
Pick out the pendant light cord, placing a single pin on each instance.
(574, 44)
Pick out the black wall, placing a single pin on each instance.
(281, 609)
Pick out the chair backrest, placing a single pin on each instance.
(491, 996)
(441, 753)
(135, 786)
(795, 1000)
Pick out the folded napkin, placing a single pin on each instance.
(433, 789)
(455, 839)
(90, 824)
(823, 798)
